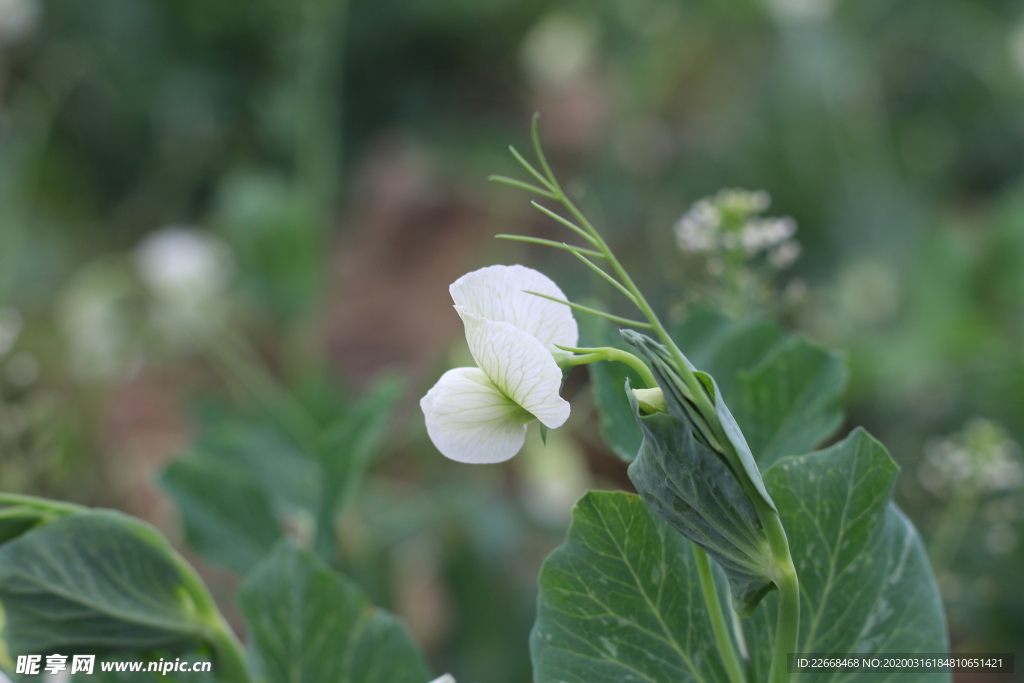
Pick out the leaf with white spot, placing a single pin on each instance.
(865, 583)
(620, 600)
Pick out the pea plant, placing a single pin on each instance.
(742, 546)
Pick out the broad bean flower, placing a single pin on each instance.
(480, 415)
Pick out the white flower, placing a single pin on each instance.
(447, 678)
(180, 262)
(188, 272)
(18, 19)
(479, 415)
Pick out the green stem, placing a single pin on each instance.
(608, 353)
(41, 504)
(788, 625)
(229, 655)
(707, 587)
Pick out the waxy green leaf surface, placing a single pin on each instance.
(309, 624)
(92, 583)
(620, 601)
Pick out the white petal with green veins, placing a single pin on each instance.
(470, 420)
(519, 366)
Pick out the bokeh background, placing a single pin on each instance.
(223, 213)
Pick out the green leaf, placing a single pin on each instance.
(693, 488)
(621, 598)
(240, 485)
(621, 601)
(96, 582)
(865, 582)
(309, 624)
(224, 510)
(348, 452)
(790, 401)
(290, 478)
(724, 346)
(784, 391)
(681, 402)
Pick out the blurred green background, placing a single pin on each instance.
(220, 213)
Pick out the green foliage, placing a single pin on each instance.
(97, 582)
(309, 624)
(620, 599)
(243, 485)
(225, 512)
(347, 453)
(681, 403)
(691, 486)
(784, 391)
(865, 582)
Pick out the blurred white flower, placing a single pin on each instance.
(479, 415)
(784, 255)
(10, 328)
(728, 221)
(188, 272)
(761, 234)
(801, 11)
(181, 261)
(559, 49)
(983, 455)
(18, 19)
(447, 678)
(697, 230)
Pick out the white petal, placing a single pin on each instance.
(497, 293)
(447, 678)
(518, 365)
(469, 420)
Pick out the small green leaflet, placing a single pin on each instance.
(620, 600)
(309, 624)
(224, 511)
